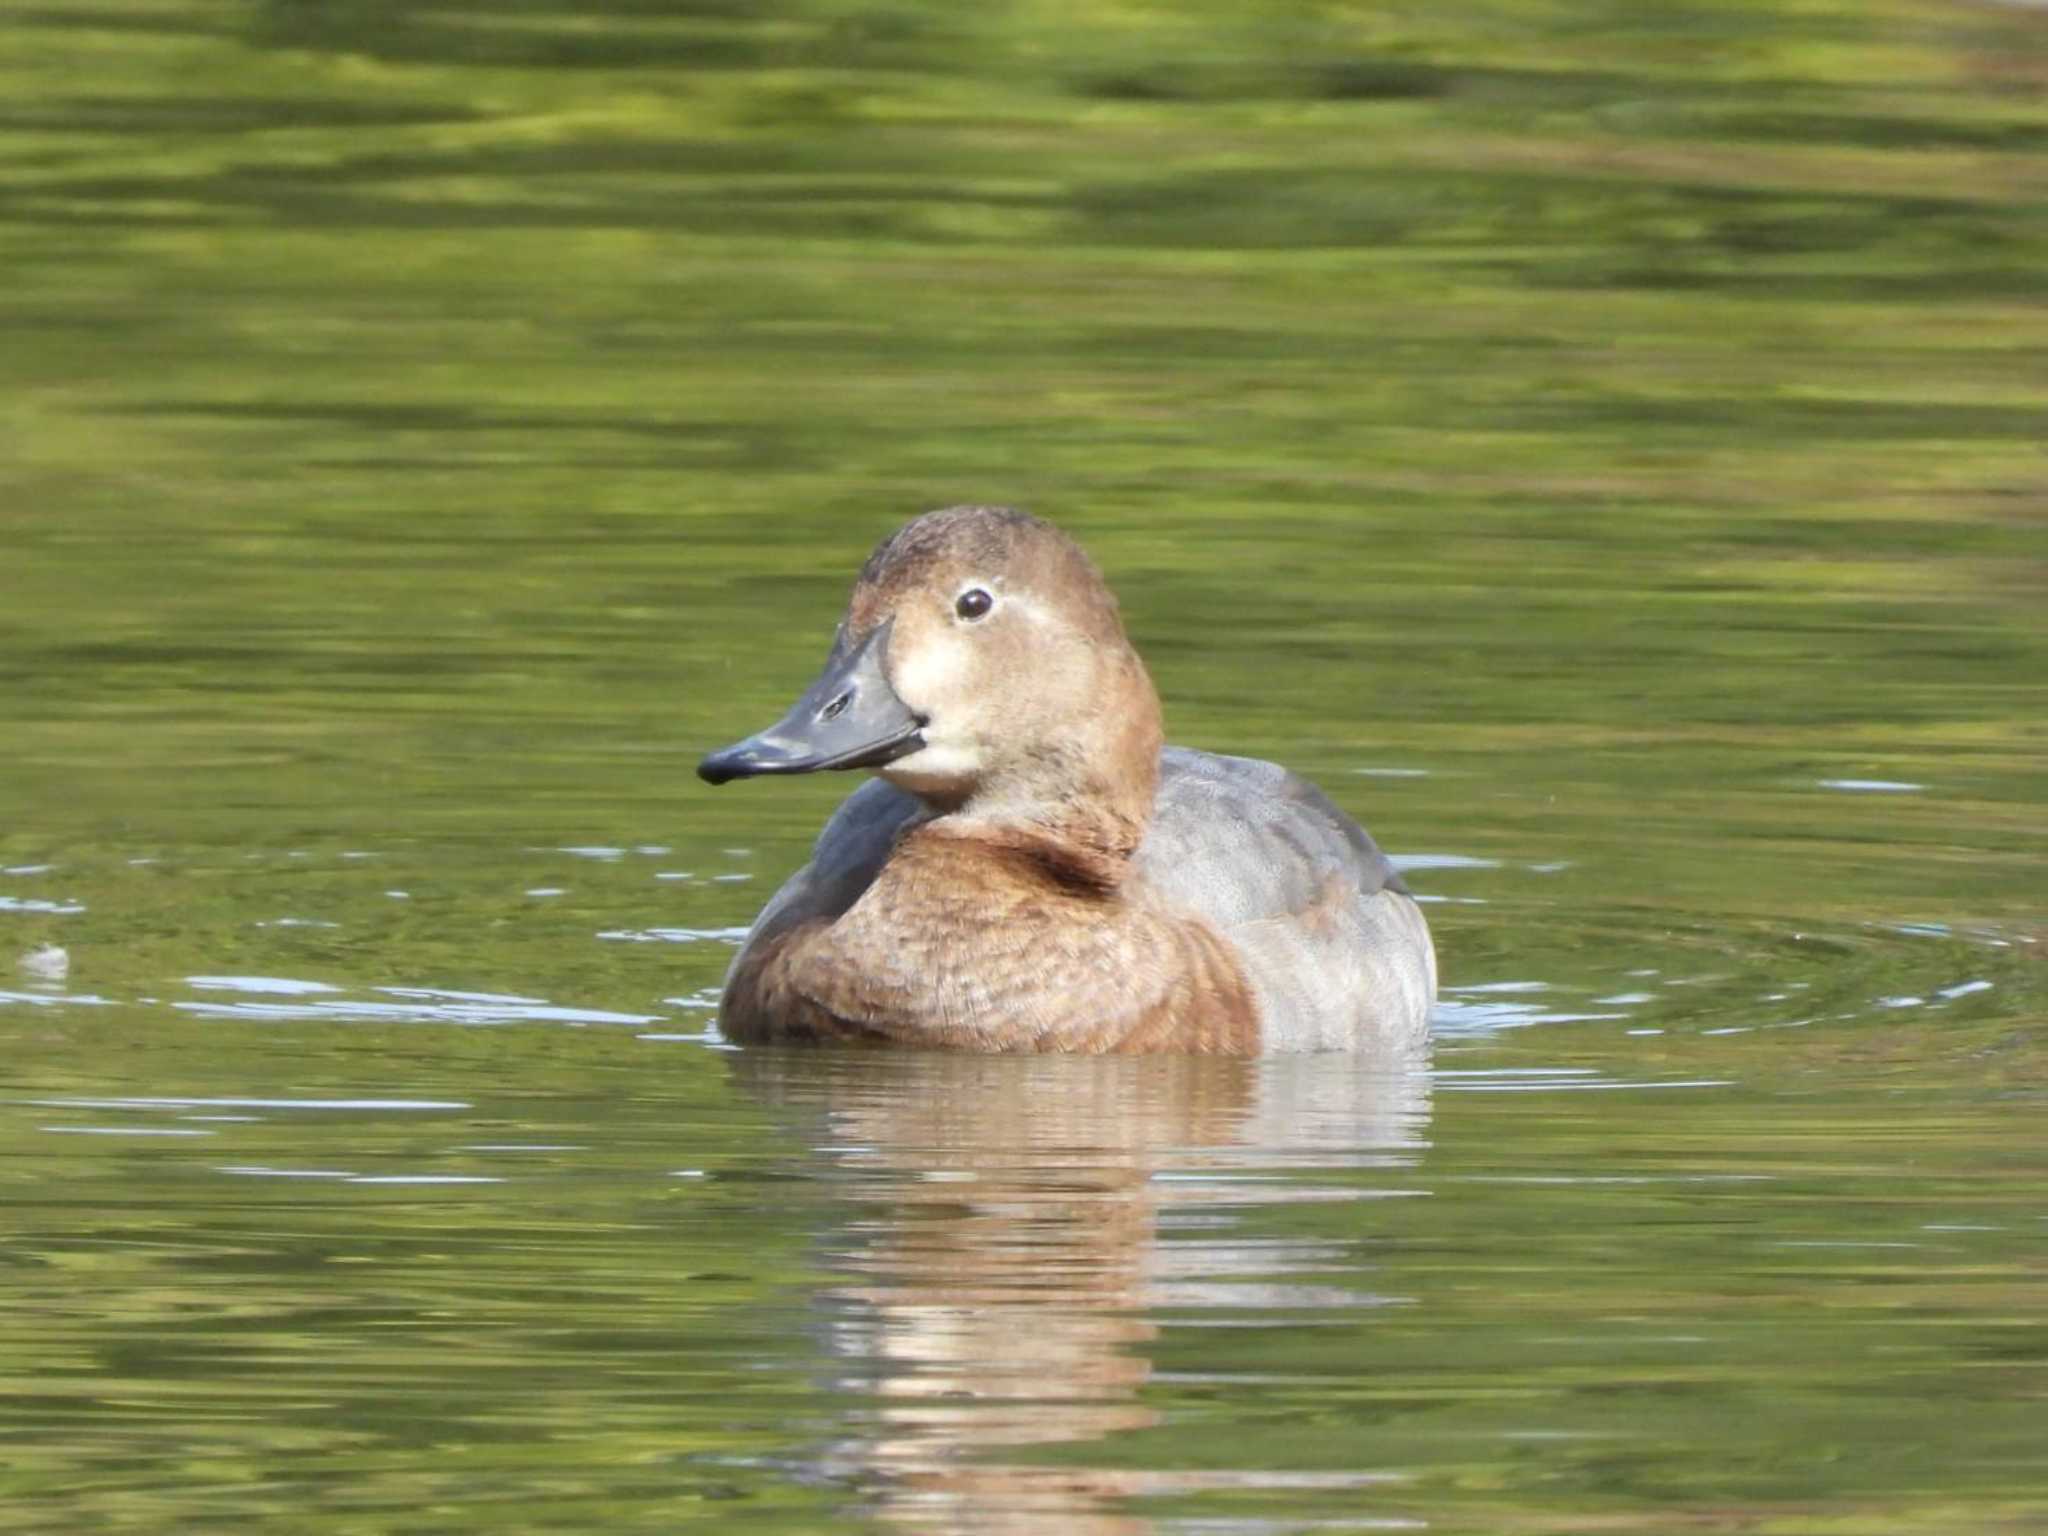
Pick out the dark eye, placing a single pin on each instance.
(973, 603)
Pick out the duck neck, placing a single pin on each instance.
(1079, 803)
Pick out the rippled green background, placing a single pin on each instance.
(1602, 443)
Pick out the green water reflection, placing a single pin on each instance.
(1603, 445)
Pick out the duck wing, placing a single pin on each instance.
(1334, 945)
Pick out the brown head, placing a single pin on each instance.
(983, 667)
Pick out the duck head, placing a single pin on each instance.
(982, 666)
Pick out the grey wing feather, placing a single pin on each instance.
(1241, 839)
(1335, 947)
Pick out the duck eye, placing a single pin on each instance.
(973, 603)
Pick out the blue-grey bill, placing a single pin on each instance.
(849, 718)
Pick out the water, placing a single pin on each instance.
(1604, 450)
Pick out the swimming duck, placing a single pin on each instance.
(1031, 869)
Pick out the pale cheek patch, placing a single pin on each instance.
(934, 767)
(932, 671)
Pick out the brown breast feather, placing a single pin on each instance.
(996, 945)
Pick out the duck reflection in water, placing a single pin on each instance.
(1033, 871)
(1023, 1228)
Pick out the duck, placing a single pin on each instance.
(1030, 867)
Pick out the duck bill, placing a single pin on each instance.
(849, 718)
